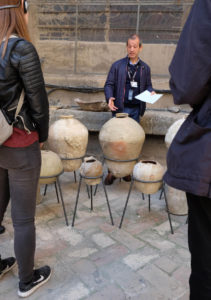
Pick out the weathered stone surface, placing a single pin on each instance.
(142, 264)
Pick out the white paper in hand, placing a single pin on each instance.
(147, 97)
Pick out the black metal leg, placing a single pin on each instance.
(87, 188)
(149, 200)
(143, 196)
(167, 208)
(91, 197)
(128, 196)
(76, 203)
(57, 195)
(61, 196)
(109, 209)
(95, 189)
(75, 176)
(46, 186)
(161, 194)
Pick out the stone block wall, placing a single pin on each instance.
(86, 36)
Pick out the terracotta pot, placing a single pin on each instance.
(69, 138)
(172, 131)
(91, 167)
(177, 201)
(148, 170)
(39, 197)
(51, 165)
(121, 138)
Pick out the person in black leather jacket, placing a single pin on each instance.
(20, 156)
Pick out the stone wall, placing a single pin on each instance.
(79, 40)
(85, 37)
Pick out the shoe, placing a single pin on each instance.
(6, 265)
(127, 178)
(109, 179)
(2, 229)
(40, 277)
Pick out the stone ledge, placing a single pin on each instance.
(153, 122)
(95, 80)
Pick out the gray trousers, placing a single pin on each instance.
(19, 175)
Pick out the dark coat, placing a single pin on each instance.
(116, 80)
(20, 68)
(189, 156)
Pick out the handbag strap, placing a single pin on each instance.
(20, 104)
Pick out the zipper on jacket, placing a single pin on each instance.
(12, 108)
(123, 100)
(141, 75)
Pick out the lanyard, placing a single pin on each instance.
(132, 77)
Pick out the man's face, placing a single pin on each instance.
(133, 49)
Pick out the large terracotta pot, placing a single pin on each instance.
(172, 131)
(69, 138)
(177, 201)
(51, 166)
(121, 138)
(91, 167)
(148, 170)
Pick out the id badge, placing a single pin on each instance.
(130, 95)
(134, 84)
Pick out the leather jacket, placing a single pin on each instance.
(20, 69)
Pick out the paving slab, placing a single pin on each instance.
(98, 261)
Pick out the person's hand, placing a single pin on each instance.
(111, 104)
(41, 145)
(153, 93)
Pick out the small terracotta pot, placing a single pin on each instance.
(91, 167)
(148, 170)
(172, 131)
(177, 201)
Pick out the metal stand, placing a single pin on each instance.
(74, 158)
(90, 195)
(120, 161)
(58, 191)
(149, 199)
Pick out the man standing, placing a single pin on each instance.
(189, 156)
(127, 78)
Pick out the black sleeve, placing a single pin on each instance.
(190, 68)
(35, 94)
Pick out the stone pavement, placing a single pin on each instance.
(97, 261)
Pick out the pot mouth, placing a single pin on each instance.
(149, 162)
(67, 117)
(121, 115)
(90, 161)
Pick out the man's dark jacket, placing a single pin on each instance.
(20, 68)
(116, 80)
(189, 156)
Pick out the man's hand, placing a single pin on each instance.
(111, 104)
(41, 145)
(153, 93)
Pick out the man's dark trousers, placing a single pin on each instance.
(199, 239)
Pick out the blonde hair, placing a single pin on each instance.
(12, 21)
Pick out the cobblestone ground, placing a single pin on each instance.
(98, 261)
